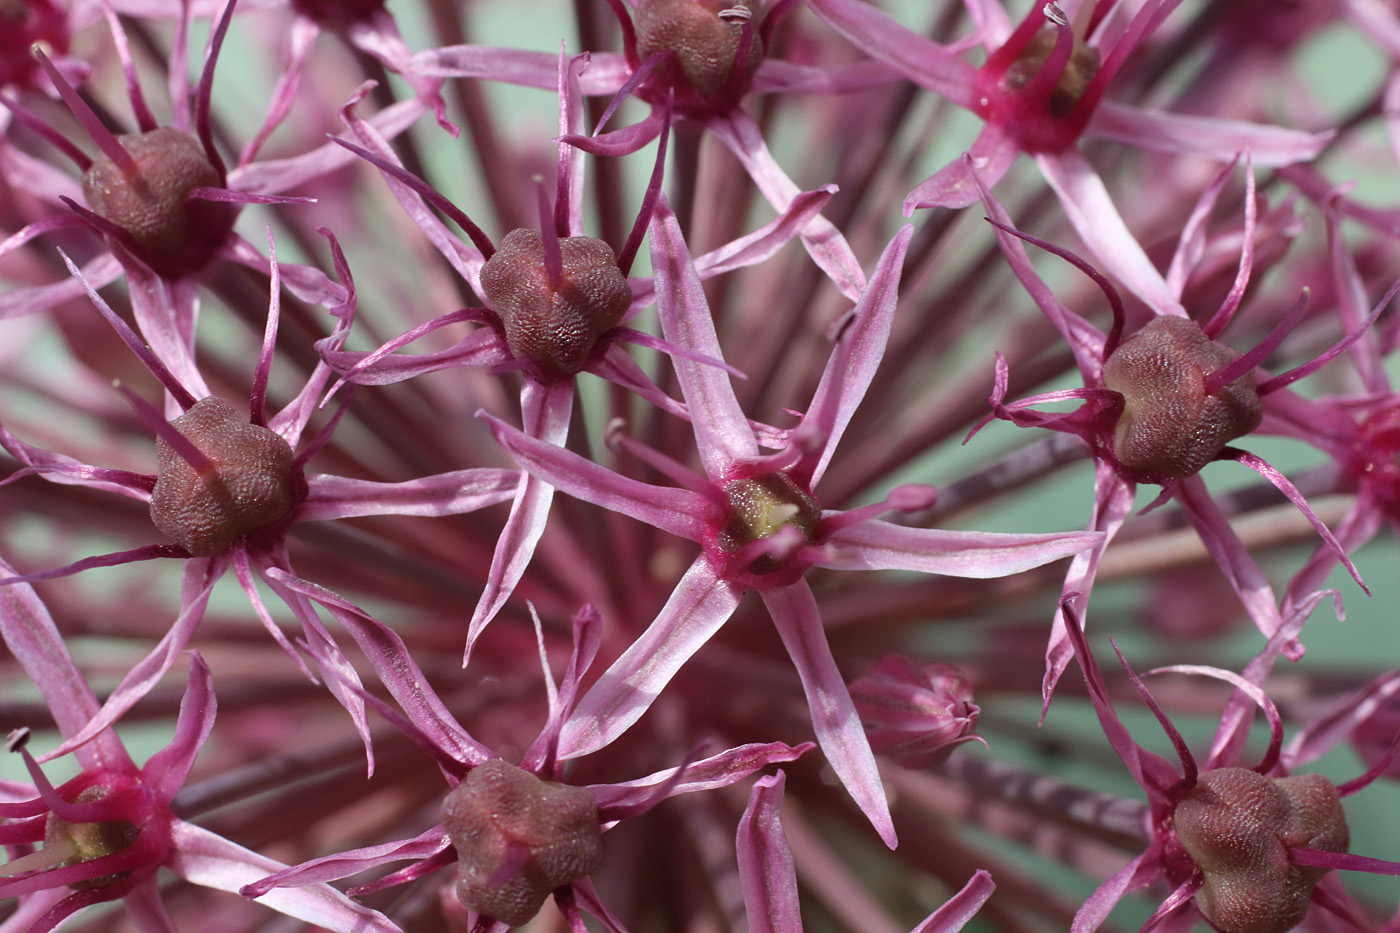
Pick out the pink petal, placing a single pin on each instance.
(955, 185)
(834, 717)
(961, 907)
(32, 638)
(166, 770)
(721, 430)
(881, 545)
(546, 410)
(766, 871)
(1162, 131)
(700, 604)
(1113, 500)
(1233, 558)
(201, 857)
(853, 360)
(632, 798)
(200, 575)
(920, 59)
(398, 671)
(1098, 223)
(826, 245)
(677, 511)
(454, 493)
(778, 76)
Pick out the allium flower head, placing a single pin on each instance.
(664, 259)
(758, 521)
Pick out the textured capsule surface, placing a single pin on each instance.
(1171, 426)
(555, 326)
(705, 35)
(153, 204)
(1238, 827)
(518, 838)
(252, 485)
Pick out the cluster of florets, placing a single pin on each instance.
(590, 500)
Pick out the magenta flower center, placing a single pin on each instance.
(1041, 110)
(1238, 826)
(175, 233)
(518, 838)
(1171, 424)
(252, 481)
(1376, 461)
(91, 841)
(23, 24)
(762, 506)
(555, 324)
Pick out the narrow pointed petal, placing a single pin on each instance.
(855, 358)
(961, 907)
(700, 604)
(199, 578)
(766, 871)
(1233, 559)
(954, 185)
(678, 511)
(546, 409)
(918, 58)
(1098, 223)
(824, 243)
(839, 732)
(203, 858)
(400, 674)
(32, 638)
(631, 798)
(455, 493)
(166, 770)
(881, 545)
(721, 429)
(1162, 131)
(1113, 501)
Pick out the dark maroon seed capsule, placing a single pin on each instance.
(1238, 827)
(555, 326)
(176, 234)
(518, 838)
(1171, 426)
(705, 34)
(253, 483)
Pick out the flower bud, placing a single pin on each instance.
(1238, 827)
(1171, 426)
(253, 483)
(555, 326)
(153, 204)
(518, 838)
(914, 713)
